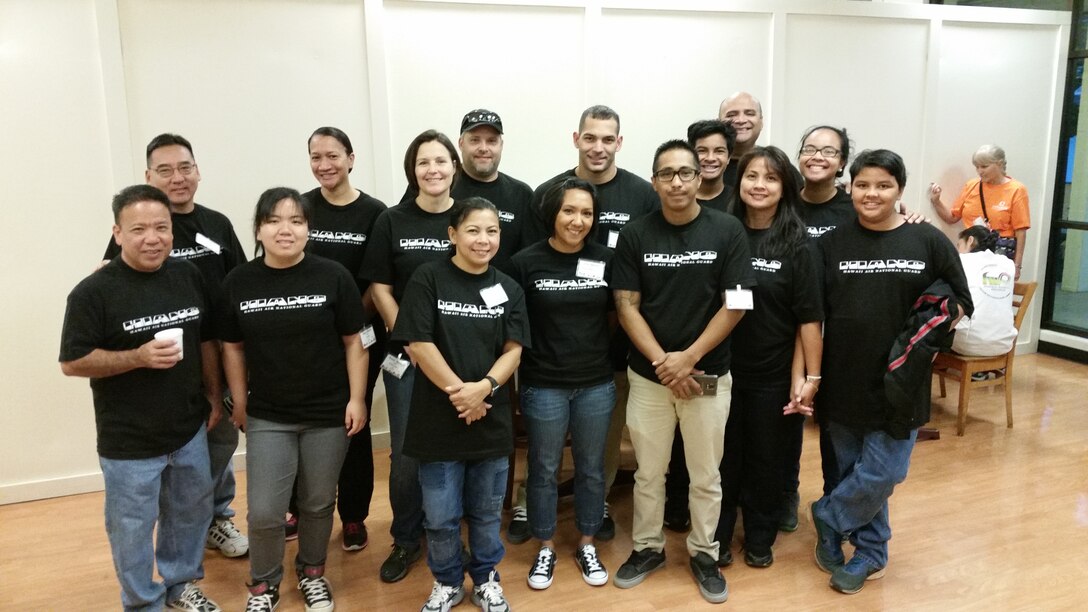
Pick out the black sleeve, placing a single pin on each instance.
(378, 262)
(417, 319)
(209, 323)
(226, 316)
(83, 326)
(533, 230)
(950, 268)
(807, 302)
(238, 254)
(517, 321)
(737, 269)
(625, 275)
(349, 305)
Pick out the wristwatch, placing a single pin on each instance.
(494, 385)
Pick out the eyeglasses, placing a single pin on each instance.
(827, 152)
(686, 174)
(168, 171)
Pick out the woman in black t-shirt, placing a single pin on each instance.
(297, 372)
(822, 160)
(566, 378)
(776, 354)
(465, 324)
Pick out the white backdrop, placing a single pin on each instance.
(86, 83)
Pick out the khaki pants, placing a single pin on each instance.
(652, 415)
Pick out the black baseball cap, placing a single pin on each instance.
(478, 117)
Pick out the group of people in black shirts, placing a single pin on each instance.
(703, 310)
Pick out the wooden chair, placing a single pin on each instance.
(960, 367)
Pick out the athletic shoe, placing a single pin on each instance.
(851, 577)
(518, 530)
(488, 596)
(398, 562)
(316, 593)
(608, 526)
(443, 598)
(263, 597)
(828, 551)
(192, 599)
(639, 565)
(224, 536)
(592, 571)
(711, 583)
(290, 527)
(725, 556)
(354, 536)
(540, 577)
(757, 559)
(788, 522)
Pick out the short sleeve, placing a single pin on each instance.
(83, 325)
(378, 262)
(957, 206)
(625, 271)
(516, 328)
(349, 304)
(737, 267)
(418, 316)
(807, 302)
(1021, 213)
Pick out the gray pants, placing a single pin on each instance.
(275, 453)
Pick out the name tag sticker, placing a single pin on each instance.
(613, 238)
(590, 268)
(493, 295)
(208, 243)
(739, 299)
(367, 336)
(395, 365)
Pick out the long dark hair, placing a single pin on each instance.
(985, 238)
(787, 232)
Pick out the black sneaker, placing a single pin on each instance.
(725, 556)
(263, 597)
(608, 527)
(828, 550)
(354, 536)
(639, 565)
(540, 577)
(397, 563)
(758, 558)
(316, 592)
(593, 572)
(711, 584)
(677, 521)
(788, 522)
(517, 532)
(851, 577)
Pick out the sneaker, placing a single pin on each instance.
(851, 577)
(828, 551)
(488, 596)
(540, 577)
(226, 537)
(290, 527)
(608, 527)
(518, 531)
(397, 563)
(725, 556)
(639, 565)
(443, 597)
(193, 600)
(316, 593)
(758, 559)
(263, 597)
(592, 571)
(354, 536)
(788, 522)
(711, 583)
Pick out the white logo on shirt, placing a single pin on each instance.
(555, 284)
(675, 260)
(614, 217)
(764, 265)
(424, 244)
(162, 320)
(882, 265)
(192, 252)
(291, 302)
(506, 217)
(337, 237)
(472, 311)
(816, 232)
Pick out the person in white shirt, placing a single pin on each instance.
(989, 331)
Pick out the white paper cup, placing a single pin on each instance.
(175, 334)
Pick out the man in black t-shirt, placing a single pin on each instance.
(712, 141)
(207, 239)
(672, 272)
(150, 406)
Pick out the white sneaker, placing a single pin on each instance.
(540, 577)
(224, 536)
(443, 597)
(316, 594)
(592, 571)
(192, 599)
(489, 597)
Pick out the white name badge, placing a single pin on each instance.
(613, 238)
(208, 243)
(590, 268)
(395, 365)
(739, 299)
(367, 336)
(493, 295)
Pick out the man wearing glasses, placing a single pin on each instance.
(207, 239)
(682, 279)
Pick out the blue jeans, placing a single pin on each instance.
(222, 442)
(473, 490)
(405, 497)
(174, 490)
(549, 414)
(871, 465)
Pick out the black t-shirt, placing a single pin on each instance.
(568, 315)
(787, 295)
(144, 412)
(443, 305)
(195, 236)
(825, 216)
(720, 201)
(623, 199)
(405, 237)
(341, 233)
(681, 272)
(292, 321)
(871, 281)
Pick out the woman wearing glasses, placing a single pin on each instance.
(822, 160)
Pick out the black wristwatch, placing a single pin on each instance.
(494, 385)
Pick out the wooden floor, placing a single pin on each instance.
(996, 520)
